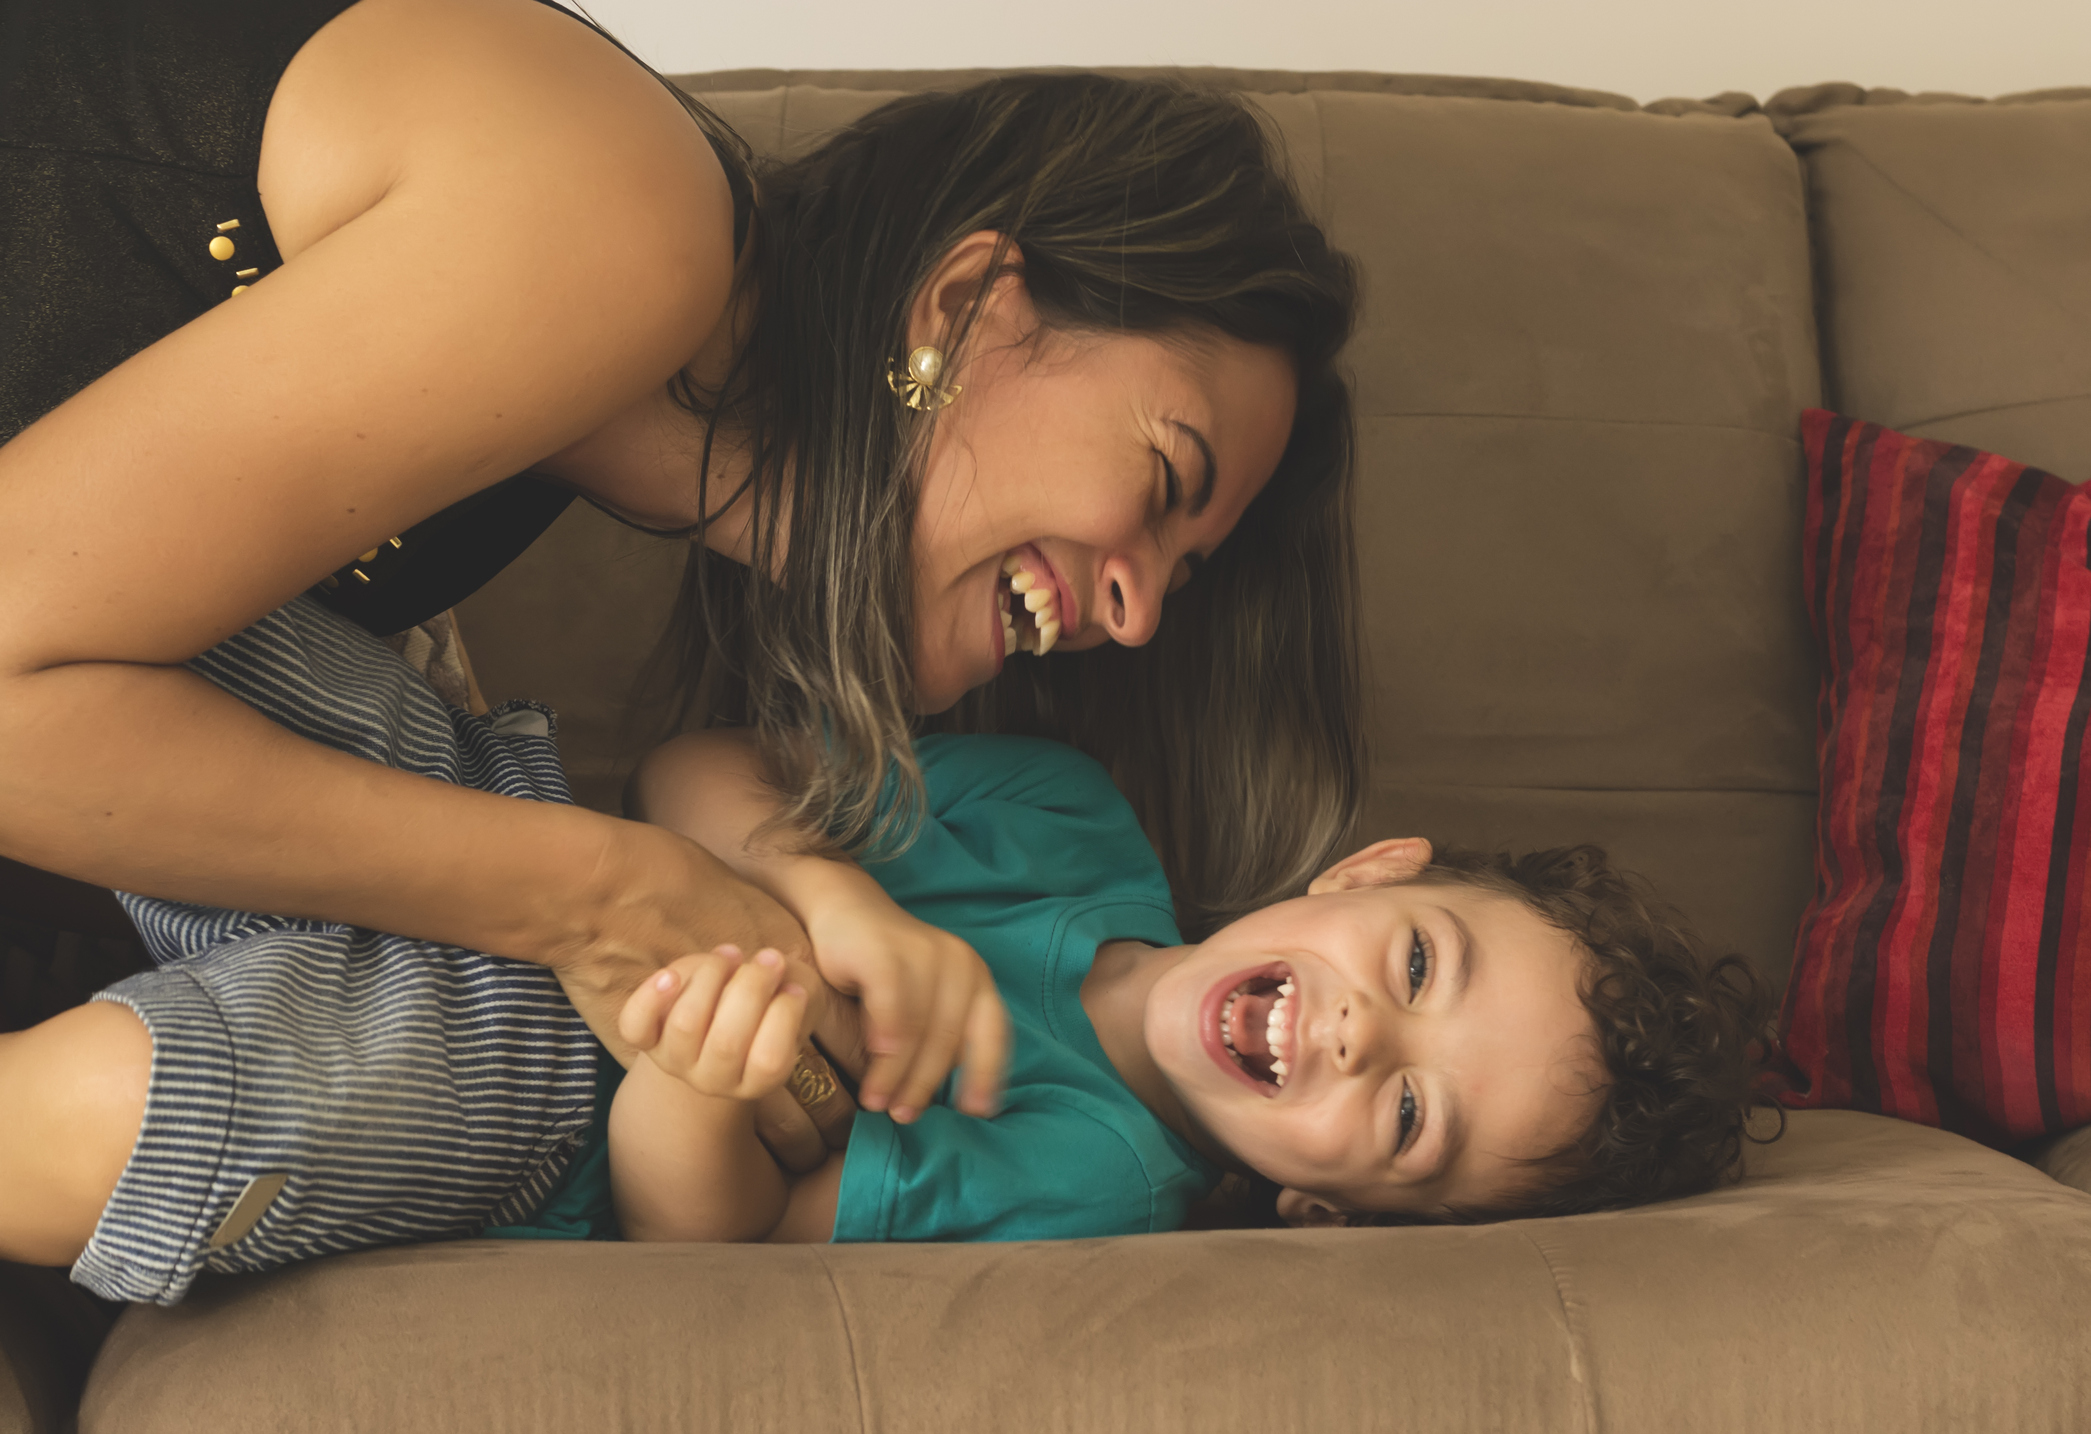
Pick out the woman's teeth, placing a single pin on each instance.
(1041, 606)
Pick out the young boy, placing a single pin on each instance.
(1407, 1040)
(1485, 1040)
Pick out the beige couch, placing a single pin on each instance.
(1591, 328)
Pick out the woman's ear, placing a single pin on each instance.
(1381, 864)
(1309, 1212)
(955, 283)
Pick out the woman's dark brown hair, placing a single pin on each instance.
(1127, 207)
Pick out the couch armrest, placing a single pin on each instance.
(50, 1330)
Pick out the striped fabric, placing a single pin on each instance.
(1943, 970)
(407, 1091)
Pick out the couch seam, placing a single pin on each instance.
(1993, 408)
(1793, 438)
(856, 1373)
(1957, 232)
(1580, 1366)
(1620, 791)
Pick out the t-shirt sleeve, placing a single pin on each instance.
(1019, 817)
(1043, 1173)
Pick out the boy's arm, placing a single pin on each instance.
(717, 1033)
(927, 996)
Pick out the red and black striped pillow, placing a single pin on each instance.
(1943, 971)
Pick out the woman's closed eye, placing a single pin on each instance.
(1172, 484)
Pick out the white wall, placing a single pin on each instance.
(1644, 48)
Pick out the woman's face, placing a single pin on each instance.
(1077, 480)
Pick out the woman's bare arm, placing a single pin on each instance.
(546, 238)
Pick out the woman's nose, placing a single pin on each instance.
(1129, 601)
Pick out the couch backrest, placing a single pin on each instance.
(1589, 332)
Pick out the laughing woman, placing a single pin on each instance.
(318, 313)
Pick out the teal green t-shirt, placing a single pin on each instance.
(1029, 854)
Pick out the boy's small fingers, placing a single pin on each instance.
(937, 1053)
(639, 1021)
(739, 1012)
(775, 1049)
(686, 1021)
(986, 1054)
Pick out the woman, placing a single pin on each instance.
(296, 289)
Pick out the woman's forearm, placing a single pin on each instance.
(688, 1166)
(150, 779)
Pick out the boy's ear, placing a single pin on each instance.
(1309, 1212)
(1381, 864)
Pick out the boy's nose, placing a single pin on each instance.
(1353, 1031)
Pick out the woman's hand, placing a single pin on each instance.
(654, 898)
(926, 1000)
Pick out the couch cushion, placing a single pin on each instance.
(1852, 1282)
(1944, 968)
(1953, 238)
(1586, 346)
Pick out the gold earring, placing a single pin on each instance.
(919, 388)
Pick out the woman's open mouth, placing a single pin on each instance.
(1249, 1025)
(1027, 597)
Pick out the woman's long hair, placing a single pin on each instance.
(1127, 206)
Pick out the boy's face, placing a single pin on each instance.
(1381, 1048)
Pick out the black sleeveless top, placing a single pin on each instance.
(130, 144)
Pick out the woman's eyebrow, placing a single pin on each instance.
(1212, 468)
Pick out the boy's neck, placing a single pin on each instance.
(1114, 997)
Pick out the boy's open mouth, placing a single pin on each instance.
(1256, 1025)
(1029, 600)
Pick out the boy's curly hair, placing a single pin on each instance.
(1685, 1042)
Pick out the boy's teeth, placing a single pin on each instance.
(1035, 599)
(1048, 634)
(1274, 1029)
(1021, 581)
(1008, 641)
(1012, 564)
(1226, 1019)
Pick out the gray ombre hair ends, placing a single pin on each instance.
(1130, 206)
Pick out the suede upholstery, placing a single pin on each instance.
(1591, 328)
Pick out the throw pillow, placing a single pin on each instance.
(1943, 969)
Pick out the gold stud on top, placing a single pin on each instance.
(228, 226)
(395, 542)
(246, 273)
(366, 557)
(239, 289)
(361, 576)
(221, 248)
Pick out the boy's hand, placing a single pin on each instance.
(724, 1026)
(927, 1000)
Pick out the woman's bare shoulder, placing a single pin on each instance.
(498, 233)
(498, 100)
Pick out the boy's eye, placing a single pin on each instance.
(1419, 962)
(1408, 1120)
(1172, 484)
